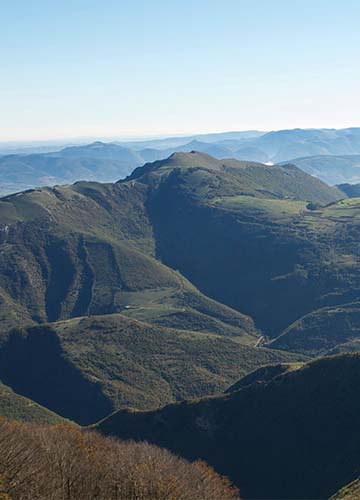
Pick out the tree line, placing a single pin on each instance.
(64, 462)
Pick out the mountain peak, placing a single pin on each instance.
(97, 144)
(191, 157)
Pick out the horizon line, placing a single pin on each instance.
(150, 137)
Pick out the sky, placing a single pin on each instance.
(146, 68)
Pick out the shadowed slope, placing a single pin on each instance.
(295, 436)
(34, 364)
(325, 331)
(17, 407)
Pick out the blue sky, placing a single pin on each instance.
(152, 67)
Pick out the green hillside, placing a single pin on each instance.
(85, 368)
(97, 248)
(192, 244)
(72, 251)
(323, 331)
(263, 374)
(295, 436)
(270, 255)
(206, 177)
(16, 407)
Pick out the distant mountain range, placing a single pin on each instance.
(332, 169)
(331, 155)
(97, 161)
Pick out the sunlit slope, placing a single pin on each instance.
(89, 249)
(85, 368)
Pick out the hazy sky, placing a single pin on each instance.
(73, 68)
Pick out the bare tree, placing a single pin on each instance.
(65, 463)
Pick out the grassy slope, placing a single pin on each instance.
(263, 374)
(85, 368)
(333, 328)
(234, 177)
(17, 407)
(254, 246)
(105, 237)
(269, 257)
(322, 331)
(295, 436)
(242, 234)
(90, 249)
